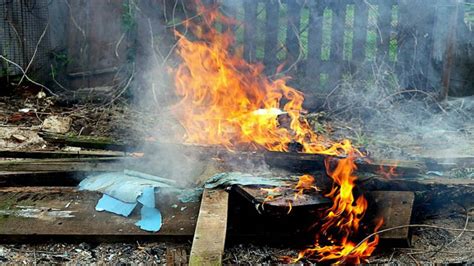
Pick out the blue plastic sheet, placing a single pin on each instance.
(107, 203)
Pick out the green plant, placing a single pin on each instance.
(128, 15)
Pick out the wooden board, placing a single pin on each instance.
(211, 228)
(59, 154)
(396, 209)
(65, 165)
(64, 212)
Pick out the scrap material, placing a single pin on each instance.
(211, 228)
(123, 191)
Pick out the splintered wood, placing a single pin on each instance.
(211, 228)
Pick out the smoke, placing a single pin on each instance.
(389, 107)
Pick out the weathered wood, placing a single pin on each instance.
(89, 142)
(395, 207)
(293, 32)
(271, 35)
(384, 23)
(65, 165)
(337, 41)
(176, 257)
(303, 162)
(59, 154)
(250, 30)
(211, 228)
(361, 17)
(315, 37)
(62, 212)
(449, 53)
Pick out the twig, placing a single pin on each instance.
(34, 53)
(413, 258)
(407, 91)
(118, 45)
(400, 227)
(124, 88)
(28, 78)
(454, 240)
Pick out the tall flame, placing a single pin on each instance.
(227, 101)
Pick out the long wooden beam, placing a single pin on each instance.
(64, 212)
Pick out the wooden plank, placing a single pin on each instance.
(337, 41)
(315, 37)
(384, 23)
(250, 30)
(211, 228)
(65, 165)
(271, 35)
(395, 207)
(293, 32)
(361, 17)
(302, 162)
(449, 56)
(63, 212)
(406, 41)
(89, 142)
(59, 154)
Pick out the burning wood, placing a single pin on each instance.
(228, 101)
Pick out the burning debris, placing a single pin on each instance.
(230, 102)
(312, 125)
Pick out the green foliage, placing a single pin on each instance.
(128, 15)
(60, 62)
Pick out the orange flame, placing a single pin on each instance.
(228, 101)
(342, 220)
(305, 182)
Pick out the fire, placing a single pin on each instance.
(228, 101)
(305, 182)
(224, 100)
(388, 172)
(342, 220)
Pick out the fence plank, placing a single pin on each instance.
(293, 44)
(415, 42)
(315, 37)
(406, 42)
(337, 40)
(250, 29)
(271, 35)
(361, 17)
(384, 29)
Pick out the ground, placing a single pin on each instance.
(22, 115)
(429, 246)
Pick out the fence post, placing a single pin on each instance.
(337, 42)
(250, 28)
(271, 35)
(361, 17)
(293, 44)
(315, 35)
(384, 28)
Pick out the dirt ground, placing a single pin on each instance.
(428, 246)
(21, 117)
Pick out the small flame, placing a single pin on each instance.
(305, 182)
(388, 172)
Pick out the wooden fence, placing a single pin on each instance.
(321, 41)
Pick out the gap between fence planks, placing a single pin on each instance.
(211, 228)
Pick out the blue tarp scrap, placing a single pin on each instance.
(107, 203)
(123, 192)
